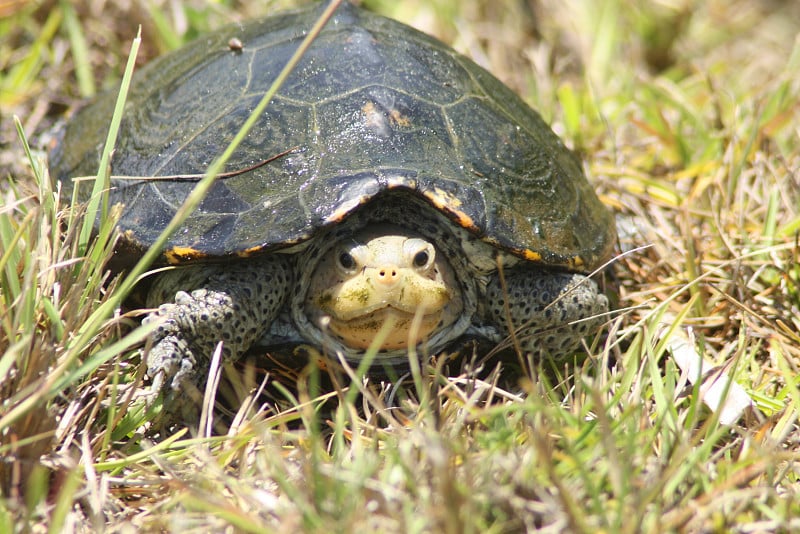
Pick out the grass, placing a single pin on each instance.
(685, 114)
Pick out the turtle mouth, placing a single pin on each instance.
(402, 327)
(390, 305)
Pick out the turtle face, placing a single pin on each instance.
(383, 274)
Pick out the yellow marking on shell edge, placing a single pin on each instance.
(177, 255)
(345, 210)
(575, 262)
(246, 253)
(449, 203)
(531, 255)
(464, 220)
(396, 182)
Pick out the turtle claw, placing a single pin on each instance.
(170, 362)
(150, 394)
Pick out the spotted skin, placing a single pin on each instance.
(550, 312)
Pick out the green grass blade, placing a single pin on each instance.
(98, 202)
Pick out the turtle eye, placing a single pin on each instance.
(421, 258)
(346, 261)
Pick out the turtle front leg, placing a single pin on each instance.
(200, 306)
(551, 312)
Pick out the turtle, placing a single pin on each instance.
(394, 197)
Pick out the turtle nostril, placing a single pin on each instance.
(387, 274)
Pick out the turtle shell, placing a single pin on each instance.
(374, 106)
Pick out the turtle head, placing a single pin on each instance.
(383, 274)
